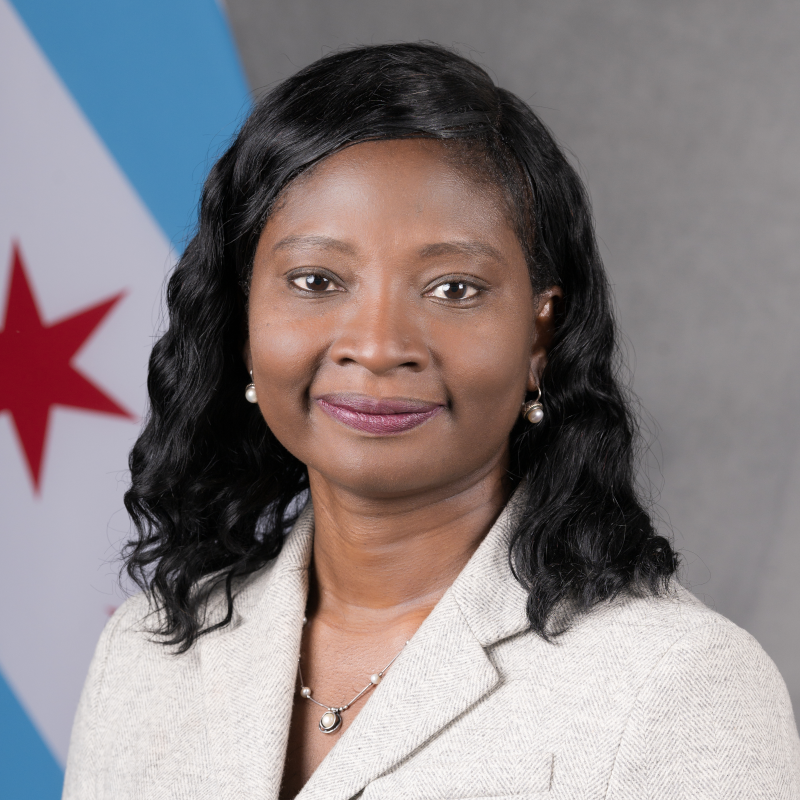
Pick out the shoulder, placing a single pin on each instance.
(708, 709)
(644, 693)
(623, 643)
(129, 629)
(641, 649)
(136, 623)
(684, 647)
(142, 702)
(672, 639)
(676, 647)
(132, 659)
(674, 625)
(129, 654)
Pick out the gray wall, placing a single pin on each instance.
(684, 118)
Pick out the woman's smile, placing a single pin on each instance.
(379, 416)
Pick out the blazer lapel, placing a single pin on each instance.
(442, 672)
(249, 673)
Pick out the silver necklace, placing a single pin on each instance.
(331, 720)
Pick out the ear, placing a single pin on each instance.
(544, 327)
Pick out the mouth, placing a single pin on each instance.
(378, 416)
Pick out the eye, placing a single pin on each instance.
(454, 290)
(314, 282)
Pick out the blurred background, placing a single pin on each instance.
(683, 118)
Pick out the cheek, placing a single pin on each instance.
(284, 352)
(487, 371)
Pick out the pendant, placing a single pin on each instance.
(331, 721)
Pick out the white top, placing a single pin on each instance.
(643, 698)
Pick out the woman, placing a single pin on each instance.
(415, 563)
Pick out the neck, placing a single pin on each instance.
(390, 560)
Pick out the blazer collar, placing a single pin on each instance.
(491, 599)
(250, 671)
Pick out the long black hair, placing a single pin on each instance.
(212, 489)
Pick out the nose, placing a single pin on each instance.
(381, 335)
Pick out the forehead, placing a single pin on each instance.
(410, 185)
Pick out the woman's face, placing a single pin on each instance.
(393, 330)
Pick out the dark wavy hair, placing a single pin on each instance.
(213, 491)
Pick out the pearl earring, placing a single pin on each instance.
(250, 391)
(533, 411)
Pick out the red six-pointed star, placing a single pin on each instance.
(36, 370)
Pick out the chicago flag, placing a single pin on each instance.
(110, 114)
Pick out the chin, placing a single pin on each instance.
(388, 472)
(381, 484)
(380, 475)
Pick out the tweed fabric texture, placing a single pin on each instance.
(642, 698)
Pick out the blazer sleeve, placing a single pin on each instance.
(85, 744)
(712, 721)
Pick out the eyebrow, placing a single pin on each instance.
(437, 250)
(324, 242)
(472, 248)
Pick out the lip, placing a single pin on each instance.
(381, 416)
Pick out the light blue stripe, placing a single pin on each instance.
(159, 80)
(28, 770)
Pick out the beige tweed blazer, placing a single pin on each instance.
(642, 699)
